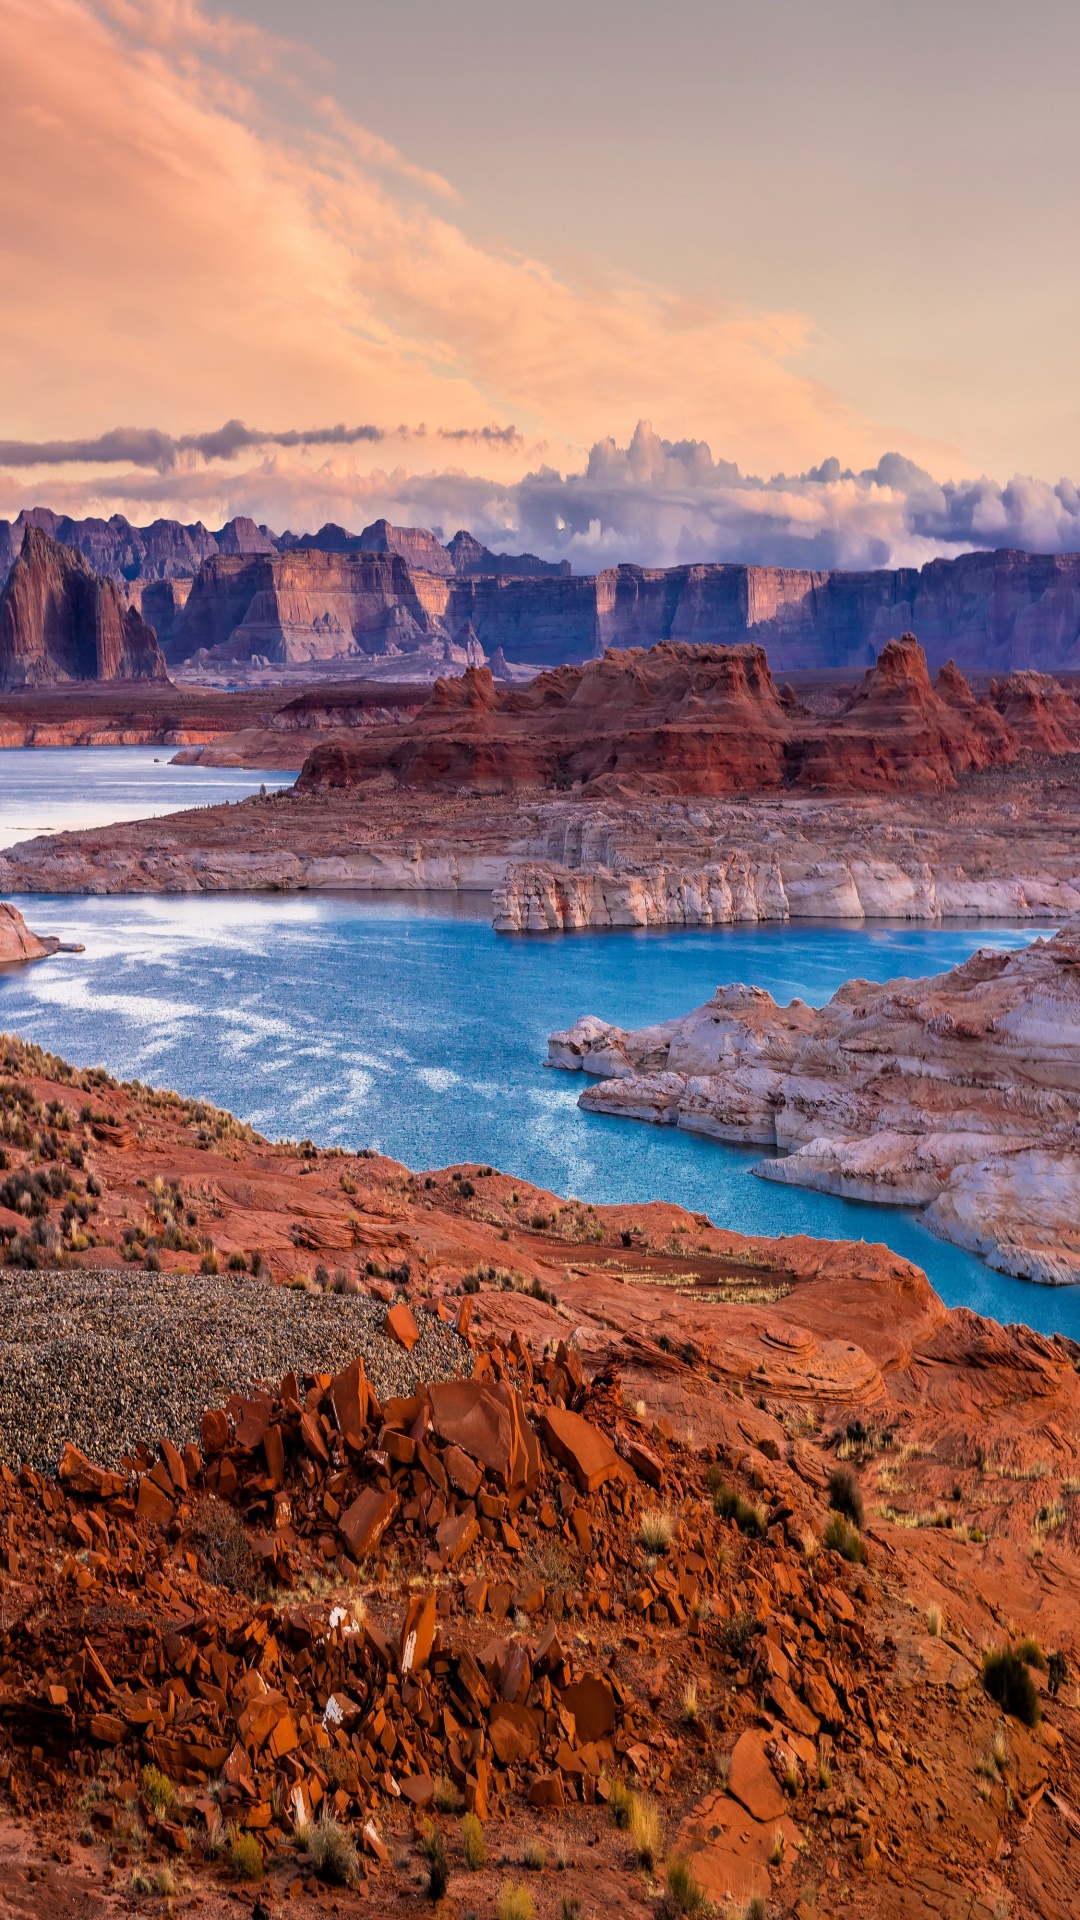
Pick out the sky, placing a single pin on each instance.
(779, 280)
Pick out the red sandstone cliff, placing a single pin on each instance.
(60, 621)
(683, 719)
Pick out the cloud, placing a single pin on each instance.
(199, 230)
(655, 501)
(149, 447)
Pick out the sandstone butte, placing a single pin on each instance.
(958, 1094)
(59, 621)
(597, 1561)
(681, 719)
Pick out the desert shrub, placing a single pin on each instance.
(158, 1788)
(227, 1558)
(1057, 1668)
(731, 1505)
(571, 1907)
(331, 1850)
(740, 1630)
(438, 1864)
(935, 1622)
(684, 1892)
(534, 1856)
(516, 1903)
(237, 1261)
(245, 1857)
(689, 1703)
(645, 1829)
(1007, 1679)
(447, 1798)
(845, 1495)
(210, 1264)
(619, 1800)
(1031, 1653)
(845, 1539)
(657, 1529)
(472, 1843)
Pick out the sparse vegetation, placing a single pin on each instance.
(534, 1856)
(935, 1621)
(245, 1857)
(1030, 1652)
(645, 1829)
(620, 1800)
(158, 1789)
(332, 1851)
(438, 1865)
(691, 1711)
(472, 1843)
(657, 1529)
(845, 1495)
(740, 1631)
(684, 1892)
(845, 1539)
(516, 1903)
(446, 1796)
(776, 1851)
(1007, 1679)
(731, 1505)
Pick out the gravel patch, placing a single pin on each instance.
(108, 1359)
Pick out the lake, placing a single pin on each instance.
(55, 789)
(405, 1023)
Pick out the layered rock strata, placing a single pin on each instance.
(1001, 846)
(700, 720)
(958, 1094)
(60, 621)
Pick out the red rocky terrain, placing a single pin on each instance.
(681, 719)
(679, 1575)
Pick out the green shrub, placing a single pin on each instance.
(845, 1539)
(1007, 1679)
(245, 1857)
(845, 1495)
(472, 1843)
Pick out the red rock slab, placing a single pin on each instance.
(78, 1473)
(790, 1709)
(592, 1704)
(580, 1446)
(400, 1326)
(456, 1535)
(349, 1393)
(729, 1851)
(417, 1633)
(468, 1415)
(548, 1792)
(514, 1733)
(363, 1524)
(752, 1781)
(152, 1504)
(463, 1471)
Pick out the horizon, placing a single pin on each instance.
(646, 307)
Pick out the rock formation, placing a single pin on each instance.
(681, 719)
(990, 612)
(959, 1094)
(17, 943)
(1001, 846)
(731, 1523)
(61, 621)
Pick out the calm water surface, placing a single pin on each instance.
(407, 1024)
(55, 789)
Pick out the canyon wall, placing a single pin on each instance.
(59, 621)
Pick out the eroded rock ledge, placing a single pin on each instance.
(960, 1094)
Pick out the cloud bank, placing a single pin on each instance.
(655, 501)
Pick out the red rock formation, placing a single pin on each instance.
(1038, 711)
(680, 719)
(60, 621)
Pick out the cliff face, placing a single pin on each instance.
(681, 719)
(59, 621)
(959, 1094)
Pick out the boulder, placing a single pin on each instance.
(580, 1446)
(752, 1781)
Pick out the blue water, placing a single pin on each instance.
(407, 1024)
(55, 789)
